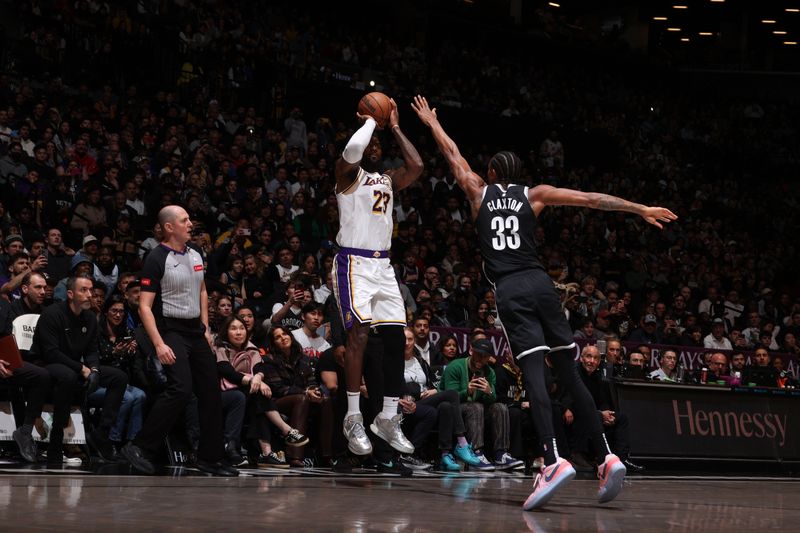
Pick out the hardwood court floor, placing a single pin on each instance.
(316, 500)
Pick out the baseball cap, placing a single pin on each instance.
(77, 259)
(650, 319)
(90, 239)
(483, 346)
(717, 321)
(133, 284)
(13, 238)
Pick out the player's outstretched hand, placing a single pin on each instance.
(423, 110)
(656, 215)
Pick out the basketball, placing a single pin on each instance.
(377, 106)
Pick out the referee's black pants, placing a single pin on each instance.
(194, 370)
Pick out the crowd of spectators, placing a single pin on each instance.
(89, 154)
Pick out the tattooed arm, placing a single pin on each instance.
(412, 167)
(544, 195)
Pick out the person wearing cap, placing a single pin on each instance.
(716, 340)
(648, 333)
(475, 381)
(88, 250)
(79, 266)
(14, 244)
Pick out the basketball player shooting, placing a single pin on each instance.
(527, 303)
(364, 281)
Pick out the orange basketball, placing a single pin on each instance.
(377, 106)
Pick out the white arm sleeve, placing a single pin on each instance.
(354, 150)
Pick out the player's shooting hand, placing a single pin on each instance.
(423, 110)
(363, 118)
(656, 215)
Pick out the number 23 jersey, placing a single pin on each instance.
(505, 226)
(365, 212)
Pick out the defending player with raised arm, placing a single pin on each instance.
(539, 196)
(530, 309)
(364, 282)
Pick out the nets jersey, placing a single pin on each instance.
(505, 226)
(365, 212)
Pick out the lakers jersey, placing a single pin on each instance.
(365, 212)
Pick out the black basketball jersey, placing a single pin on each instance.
(505, 227)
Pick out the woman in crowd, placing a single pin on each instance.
(244, 391)
(425, 407)
(290, 375)
(483, 316)
(223, 308)
(118, 349)
(308, 266)
(255, 285)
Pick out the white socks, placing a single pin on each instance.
(390, 406)
(352, 403)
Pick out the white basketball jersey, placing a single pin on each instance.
(365, 212)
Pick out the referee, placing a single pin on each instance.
(173, 307)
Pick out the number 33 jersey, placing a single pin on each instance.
(365, 212)
(505, 226)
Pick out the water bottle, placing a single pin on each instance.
(602, 345)
(680, 372)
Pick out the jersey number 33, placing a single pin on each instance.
(507, 232)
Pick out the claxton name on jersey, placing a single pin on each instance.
(378, 180)
(505, 203)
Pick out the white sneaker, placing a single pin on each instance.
(357, 440)
(389, 430)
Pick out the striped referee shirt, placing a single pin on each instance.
(175, 277)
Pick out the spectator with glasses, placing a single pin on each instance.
(118, 349)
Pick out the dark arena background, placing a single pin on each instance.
(687, 337)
